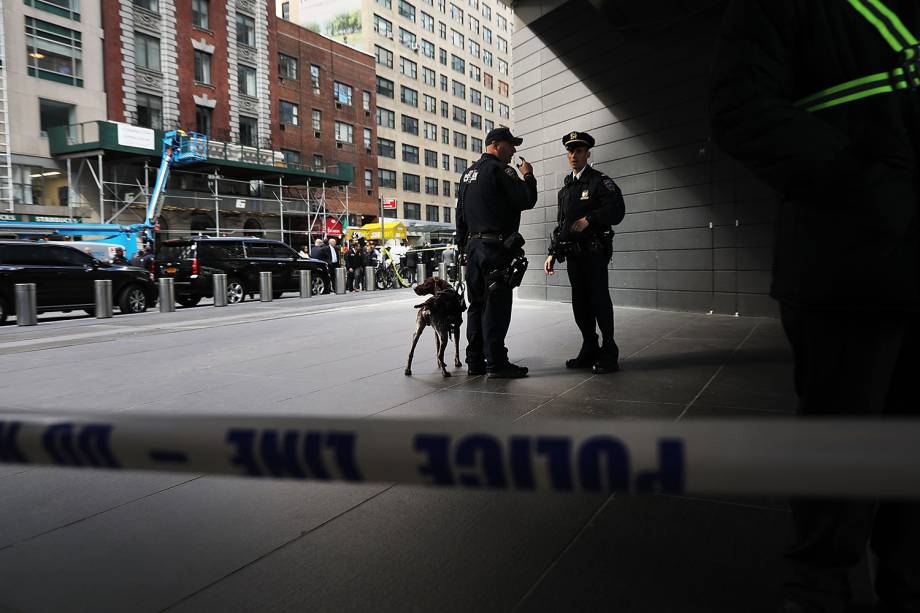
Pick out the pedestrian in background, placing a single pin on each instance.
(587, 205)
(316, 252)
(411, 266)
(138, 258)
(790, 99)
(119, 257)
(355, 263)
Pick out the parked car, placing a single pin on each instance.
(64, 279)
(192, 262)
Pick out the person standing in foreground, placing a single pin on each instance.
(822, 101)
(589, 203)
(489, 205)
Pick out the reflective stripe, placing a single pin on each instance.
(904, 76)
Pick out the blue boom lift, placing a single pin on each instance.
(179, 148)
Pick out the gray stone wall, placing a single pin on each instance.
(698, 231)
(164, 83)
(256, 57)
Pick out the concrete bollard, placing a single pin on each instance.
(167, 286)
(370, 283)
(339, 280)
(220, 290)
(103, 292)
(265, 287)
(26, 306)
(442, 270)
(306, 283)
(422, 273)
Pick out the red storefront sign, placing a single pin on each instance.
(389, 203)
(333, 227)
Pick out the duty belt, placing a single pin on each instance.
(904, 76)
(489, 236)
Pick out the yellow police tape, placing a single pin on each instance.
(775, 457)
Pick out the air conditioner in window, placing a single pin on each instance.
(415, 47)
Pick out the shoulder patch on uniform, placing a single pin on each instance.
(609, 184)
(510, 172)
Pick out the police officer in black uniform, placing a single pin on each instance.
(589, 203)
(490, 201)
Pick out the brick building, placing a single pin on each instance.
(325, 103)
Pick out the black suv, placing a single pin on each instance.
(64, 276)
(192, 263)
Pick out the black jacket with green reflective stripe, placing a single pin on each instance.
(847, 231)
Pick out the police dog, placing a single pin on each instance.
(444, 313)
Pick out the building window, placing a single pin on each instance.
(200, 13)
(474, 24)
(430, 105)
(443, 82)
(149, 111)
(431, 212)
(428, 49)
(341, 93)
(475, 73)
(408, 67)
(487, 80)
(488, 125)
(317, 120)
(368, 180)
(504, 111)
(386, 178)
(459, 140)
(445, 185)
(431, 131)
(475, 121)
(151, 5)
(203, 120)
(247, 80)
(245, 30)
(384, 56)
(445, 164)
(367, 139)
(406, 10)
(366, 100)
(410, 154)
(486, 12)
(288, 112)
(428, 77)
(52, 114)
(487, 35)
(387, 4)
(249, 131)
(476, 145)
(287, 67)
(54, 53)
(385, 87)
(487, 57)
(489, 105)
(412, 210)
(410, 125)
(445, 109)
(64, 8)
(442, 56)
(314, 78)
(318, 161)
(407, 39)
(445, 136)
(460, 115)
(383, 26)
(502, 88)
(411, 183)
(458, 64)
(286, 10)
(446, 214)
(431, 158)
(427, 22)
(147, 51)
(456, 13)
(202, 67)
(386, 148)
(502, 66)
(408, 95)
(291, 157)
(502, 44)
(344, 133)
(431, 186)
(457, 39)
(459, 89)
(475, 97)
(474, 48)
(385, 118)
(459, 165)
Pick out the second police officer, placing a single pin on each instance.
(490, 200)
(589, 203)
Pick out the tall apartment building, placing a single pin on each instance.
(51, 75)
(443, 81)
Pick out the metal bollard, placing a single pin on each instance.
(339, 280)
(442, 270)
(422, 273)
(220, 290)
(370, 283)
(103, 298)
(265, 287)
(26, 307)
(306, 283)
(167, 295)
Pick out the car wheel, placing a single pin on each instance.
(320, 285)
(236, 293)
(188, 301)
(132, 300)
(3, 311)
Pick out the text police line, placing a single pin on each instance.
(474, 460)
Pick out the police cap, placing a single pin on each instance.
(502, 134)
(578, 139)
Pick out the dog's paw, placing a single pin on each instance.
(408, 371)
(458, 364)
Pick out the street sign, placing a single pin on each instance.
(389, 203)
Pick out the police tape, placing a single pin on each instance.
(773, 457)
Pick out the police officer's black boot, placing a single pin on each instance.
(588, 355)
(608, 359)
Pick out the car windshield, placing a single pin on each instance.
(175, 252)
